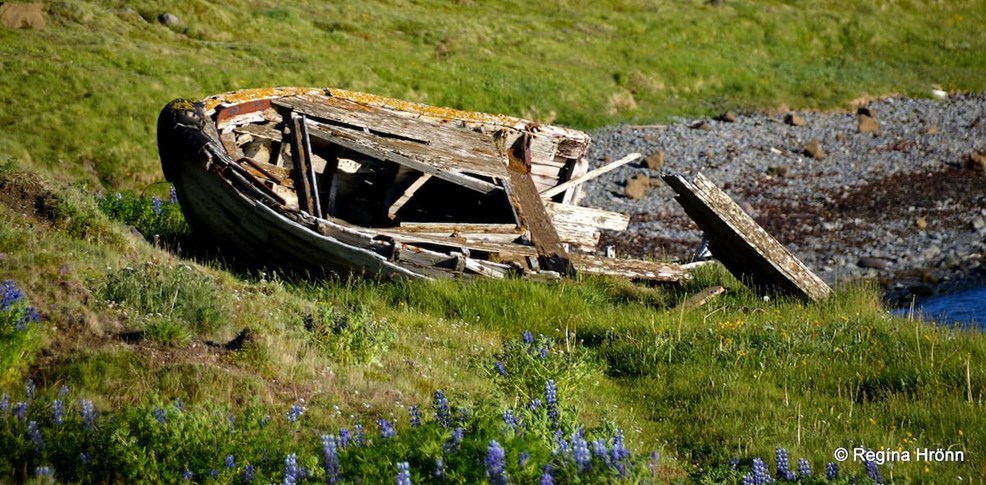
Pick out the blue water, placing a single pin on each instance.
(965, 308)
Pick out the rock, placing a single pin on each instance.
(782, 108)
(932, 130)
(978, 224)
(22, 16)
(636, 187)
(655, 161)
(976, 161)
(779, 171)
(794, 119)
(867, 124)
(168, 19)
(866, 111)
(814, 150)
(921, 223)
(700, 125)
(881, 264)
(728, 117)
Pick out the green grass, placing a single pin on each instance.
(133, 315)
(81, 97)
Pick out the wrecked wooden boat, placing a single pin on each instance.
(328, 180)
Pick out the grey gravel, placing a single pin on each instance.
(861, 202)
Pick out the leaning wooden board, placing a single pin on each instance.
(743, 247)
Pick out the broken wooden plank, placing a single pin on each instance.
(385, 150)
(547, 194)
(264, 131)
(630, 268)
(573, 214)
(743, 247)
(700, 298)
(458, 227)
(406, 196)
(304, 172)
(532, 215)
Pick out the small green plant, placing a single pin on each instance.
(20, 336)
(349, 335)
(155, 219)
(167, 304)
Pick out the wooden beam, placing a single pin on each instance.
(533, 216)
(630, 268)
(743, 247)
(304, 172)
(406, 196)
(547, 194)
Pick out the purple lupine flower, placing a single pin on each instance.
(543, 353)
(186, 475)
(43, 471)
(156, 204)
(11, 295)
(453, 442)
(748, 479)
(248, 473)
(546, 477)
(403, 473)
(415, 416)
(831, 471)
(173, 195)
(528, 337)
(34, 432)
(57, 412)
(180, 406)
(159, 415)
(5, 404)
(496, 464)
(533, 404)
(213, 473)
(561, 446)
(873, 471)
(442, 413)
(29, 387)
(359, 437)
(522, 458)
(551, 401)
(508, 418)
(760, 474)
(345, 436)
(652, 463)
(580, 452)
(733, 462)
(229, 462)
(500, 368)
(84, 458)
(804, 468)
(63, 391)
(330, 458)
(601, 450)
(386, 429)
(88, 413)
(618, 452)
(439, 467)
(295, 412)
(30, 315)
(782, 463)
(20, 410)
(291, 470)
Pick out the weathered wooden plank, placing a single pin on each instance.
(700, 298)
(589, 216)
(384, 150)
(530, 211)
(743, 247)
(630, 268)
(264, 131)
(406, 196)
(547, 194)
(304, 172)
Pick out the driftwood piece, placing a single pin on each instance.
(630, 268)
(743, 247)
(701, 298)
(547, 194)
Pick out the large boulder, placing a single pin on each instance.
(22, 15)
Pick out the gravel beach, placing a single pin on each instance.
(894, 192)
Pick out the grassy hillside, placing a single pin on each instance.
(149, 356)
